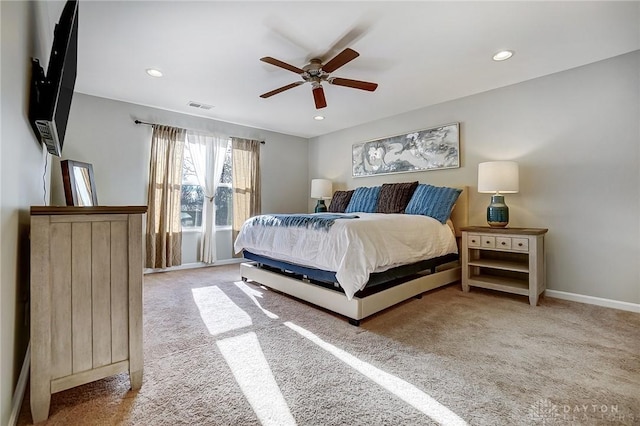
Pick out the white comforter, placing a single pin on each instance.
(353, 248)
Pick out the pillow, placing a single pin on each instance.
(394, 197)
(364, 199)
(434, 201)
(340, 201)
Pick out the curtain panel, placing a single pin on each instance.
(247, 194)
(164, 229)
(208, 154)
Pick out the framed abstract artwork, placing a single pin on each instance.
(429, 149)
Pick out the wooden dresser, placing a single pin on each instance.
(86, 298)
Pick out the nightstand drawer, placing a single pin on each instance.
(488, 241)
(520, 244)
(503, 243)
(473, 240)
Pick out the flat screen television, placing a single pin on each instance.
(50, 99)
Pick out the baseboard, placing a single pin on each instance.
(607, 303)
(21, 388)
(195, 265)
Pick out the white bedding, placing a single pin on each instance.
(353, 248)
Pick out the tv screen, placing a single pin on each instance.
(51, 93)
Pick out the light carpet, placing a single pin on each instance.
(218, 351)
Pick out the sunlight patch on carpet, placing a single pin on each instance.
(253, 374)
(400, 388)
(218, 312)
(253, 294)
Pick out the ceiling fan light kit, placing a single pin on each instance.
(315, 72)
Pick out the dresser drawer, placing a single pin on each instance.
(473, 240)
(520, 244)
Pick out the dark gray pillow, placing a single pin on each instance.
(340, 201)
(394, 197)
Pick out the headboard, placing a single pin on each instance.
(460, 213)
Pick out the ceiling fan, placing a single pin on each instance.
(315, 72)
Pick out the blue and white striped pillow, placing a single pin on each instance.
(434, 201)
(364, 200)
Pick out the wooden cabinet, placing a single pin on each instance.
(505, 259)
(86, 298)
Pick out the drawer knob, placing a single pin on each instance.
(473, 241)
(519, 244)
(503, 243)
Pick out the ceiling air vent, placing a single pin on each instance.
(199, 105)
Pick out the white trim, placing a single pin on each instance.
(191, 229)
(21, 387)
(591, 300)
(195, 265)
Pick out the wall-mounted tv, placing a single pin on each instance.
(50, 99)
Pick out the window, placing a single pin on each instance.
(192, 196)
(224, 193)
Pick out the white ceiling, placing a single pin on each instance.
(420, 53)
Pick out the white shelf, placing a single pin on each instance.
(505, 265)
(508, 285)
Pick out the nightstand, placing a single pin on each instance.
(504, 259)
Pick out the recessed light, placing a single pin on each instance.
(503, 55)
(318, 117)
(154, 72)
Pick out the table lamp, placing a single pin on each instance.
(498, 177)
(322, 190)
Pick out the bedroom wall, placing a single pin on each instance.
(102, 132)
(576, 136)
(23, 181)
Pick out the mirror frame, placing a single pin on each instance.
(71, 184)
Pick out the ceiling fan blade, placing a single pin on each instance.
(356, 84)
(281, 89)
(347, 55)
(277, 63)
(318, 97)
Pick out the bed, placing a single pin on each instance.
(359, 265)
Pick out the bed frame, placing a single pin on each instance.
(361, 307)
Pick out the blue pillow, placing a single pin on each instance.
(434, 201)
(364, 199)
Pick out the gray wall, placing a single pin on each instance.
(576, 136)
(23, 181)
(102, 132)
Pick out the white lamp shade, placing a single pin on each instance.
(498, 176)
(321, 188)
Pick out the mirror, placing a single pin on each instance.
(79, 185)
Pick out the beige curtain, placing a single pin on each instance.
(164, 230)
(246, 182)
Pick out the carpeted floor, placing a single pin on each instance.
(221, 352)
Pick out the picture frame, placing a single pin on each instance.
(434, 148)
(79, 184)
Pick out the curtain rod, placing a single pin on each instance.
(153, 124)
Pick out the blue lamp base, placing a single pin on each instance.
(321, 207)
(497, 212)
